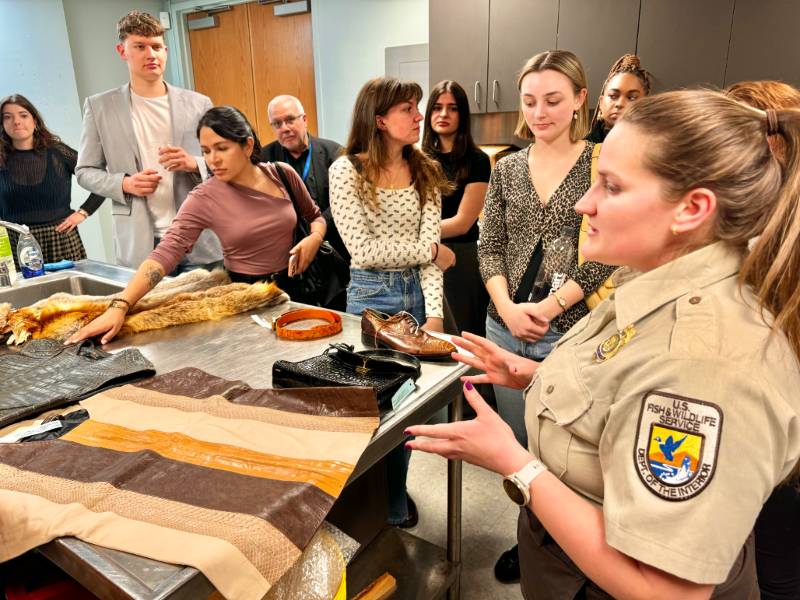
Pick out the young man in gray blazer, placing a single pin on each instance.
(139, 147)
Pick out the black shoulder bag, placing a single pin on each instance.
(327, 275)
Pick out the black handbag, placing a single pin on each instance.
(383, 370)
(327, 276)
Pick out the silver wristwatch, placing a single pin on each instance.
(518, 485)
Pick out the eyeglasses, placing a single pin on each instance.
(288, 120)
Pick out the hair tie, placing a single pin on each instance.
(773, 127)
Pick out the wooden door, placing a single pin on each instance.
(221, 60)
(283, 63)
(518, 29)
(458, 37)
(253, 56)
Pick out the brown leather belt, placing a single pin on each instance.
(332, 327)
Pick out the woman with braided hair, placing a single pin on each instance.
(626, 82)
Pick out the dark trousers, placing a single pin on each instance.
(778, 545)
(547, 573)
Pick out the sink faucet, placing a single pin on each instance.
(18, 228)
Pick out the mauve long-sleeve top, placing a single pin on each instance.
(255, 229)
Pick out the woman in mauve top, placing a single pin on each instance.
(244, 204)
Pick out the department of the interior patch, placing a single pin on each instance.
(677, 444)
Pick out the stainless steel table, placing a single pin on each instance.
(237, 348)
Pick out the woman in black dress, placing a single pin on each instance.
(447, 138)
(36, 170)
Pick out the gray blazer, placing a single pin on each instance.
(108, 152)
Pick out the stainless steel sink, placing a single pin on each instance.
(32, 290)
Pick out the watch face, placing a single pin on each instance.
(513, 492)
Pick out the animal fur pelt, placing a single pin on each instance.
(190, 298)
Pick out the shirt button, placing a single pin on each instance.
(550, 389)
(694, 300)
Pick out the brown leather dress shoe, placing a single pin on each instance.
(402, 332)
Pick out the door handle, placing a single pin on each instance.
(494, 91)
(476, 93)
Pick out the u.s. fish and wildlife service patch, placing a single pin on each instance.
(677, 444)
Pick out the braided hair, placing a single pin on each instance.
(627, 63)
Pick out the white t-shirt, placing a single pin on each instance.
(152, 125)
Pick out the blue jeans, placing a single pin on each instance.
(386, 291)
(511, 403)
(389, 292)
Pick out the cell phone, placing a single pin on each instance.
(292, 264)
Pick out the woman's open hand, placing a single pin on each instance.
(486, 441)
(108, 324)
(499, 366)
(71, 222)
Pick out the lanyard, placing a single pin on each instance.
(308, 164)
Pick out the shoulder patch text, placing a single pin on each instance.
(677, 444)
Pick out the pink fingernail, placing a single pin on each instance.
(468, 385)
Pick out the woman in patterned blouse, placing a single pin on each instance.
(386, 201)
(531, 198)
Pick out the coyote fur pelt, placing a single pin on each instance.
(189, 298)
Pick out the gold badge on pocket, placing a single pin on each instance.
(613, 344)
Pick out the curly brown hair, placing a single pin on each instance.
(43, 138)
(138, 22)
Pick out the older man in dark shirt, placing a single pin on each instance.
(309, 156)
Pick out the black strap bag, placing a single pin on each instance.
(383, 370)
(326, 277)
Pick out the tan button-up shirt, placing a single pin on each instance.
(683, 432)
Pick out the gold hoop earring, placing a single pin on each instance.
(574, 115)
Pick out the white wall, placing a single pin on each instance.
(92, 29)
(35, 61)
(349, 38)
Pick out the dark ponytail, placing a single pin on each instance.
(230, 123)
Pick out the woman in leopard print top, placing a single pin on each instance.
(531, 197)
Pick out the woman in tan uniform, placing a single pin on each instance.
(663, 419)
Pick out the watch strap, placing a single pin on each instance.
(523, 478)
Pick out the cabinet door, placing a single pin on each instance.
(518, 29)
(764, 42)
(598, 32)
(458, 36)
(685, 42)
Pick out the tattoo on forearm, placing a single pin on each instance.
(153, 277)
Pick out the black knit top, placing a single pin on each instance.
(36, 186)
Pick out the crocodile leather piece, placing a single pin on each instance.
(45, 374)
(402, 332)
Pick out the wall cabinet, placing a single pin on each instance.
(518, 29)
(685, 42)
(482, 44)
(598, 32)
(764, 42)
(457, 46)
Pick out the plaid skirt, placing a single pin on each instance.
(55, 246)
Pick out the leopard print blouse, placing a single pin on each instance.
(515, 221)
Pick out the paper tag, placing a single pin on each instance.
(25, 432)
(403, 392)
